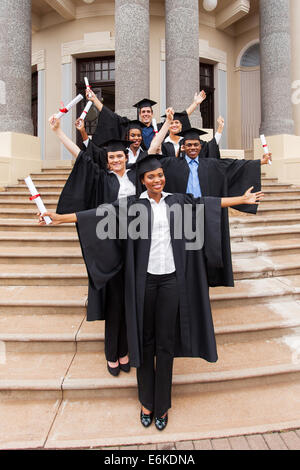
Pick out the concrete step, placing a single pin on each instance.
(286, 193)
(23, 196)
(281, 232)
(23, 204)
(56, 299)
(42, 188)
(238, 221)
(43, 300)
(43, 275)
(30, 225)
(28, 255)
(265, 266)
(281, 201)
(40, 180)
(53, 421)
(47, 239)
(269, 248)
(275, 209)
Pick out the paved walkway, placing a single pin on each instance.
(285, 440)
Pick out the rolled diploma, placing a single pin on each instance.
(70, 105)
(87, 84)
(265, 146)
(86, 110)
(154, 126)
(38, 200)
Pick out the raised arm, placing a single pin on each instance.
(247, 198)
(79, 124)
(198, 99)
(160, 136)
(90, 95)
(66, 141)
(58, 219)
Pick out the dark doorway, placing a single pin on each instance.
(208, 106)
(34, 102)
(100, 72)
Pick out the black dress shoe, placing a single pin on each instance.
(146, 420)
(161, 423)
(125, 367)
(113, 370)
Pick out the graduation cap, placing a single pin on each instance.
(135, 124)
(144, 103)
(115, 145)
(177, 116)
(191, 134)
(183, 118)
(145, 163)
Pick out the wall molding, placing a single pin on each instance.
(38, 59)
(91, 42)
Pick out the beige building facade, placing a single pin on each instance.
(130, 49)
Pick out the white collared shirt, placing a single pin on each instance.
(127, 188)
(131, 157)
(176, 146)
(161, 258)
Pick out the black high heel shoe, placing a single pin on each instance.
(113, 370)
(125, 367)
(146, 420)
(161, 423)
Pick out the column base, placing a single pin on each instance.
(20, 155)
(285, 151)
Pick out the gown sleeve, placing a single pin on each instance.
(103, 258)
(80, 190)
(210, 149)
(109, 126)
(212, 228)
(240, 176)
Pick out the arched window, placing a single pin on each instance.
(251, 58)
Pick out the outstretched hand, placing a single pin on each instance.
(266, 158)
(199, 97)
(56, 218)
(54, 122)
(221, 123)
(170, 114)
(79, 124)
(253, 198)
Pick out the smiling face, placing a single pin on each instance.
(154, 181)
(146, 115)
(116, 161)
(192, 148)
(135, 136)
(175, 126)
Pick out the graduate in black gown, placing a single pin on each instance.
(167, 302)
(110, 124)
(225, 177)
(100, 176)
(172, 144)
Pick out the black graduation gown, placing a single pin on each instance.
(208, 150)
(104, 258)
(111, 126)
(89, 185)
(218, 178)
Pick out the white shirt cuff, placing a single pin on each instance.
(218, 137)
(86, 142)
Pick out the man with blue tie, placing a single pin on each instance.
(193, 173)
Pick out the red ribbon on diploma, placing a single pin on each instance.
(34, 197)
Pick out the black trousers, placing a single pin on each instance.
(115, 325)
(160, 314)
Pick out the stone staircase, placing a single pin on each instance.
(54, 387)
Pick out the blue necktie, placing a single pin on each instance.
(193, 186)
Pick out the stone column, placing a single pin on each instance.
(182, 55)
(295, 37)
(275, 48)
(132, 54)
(15, 66)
